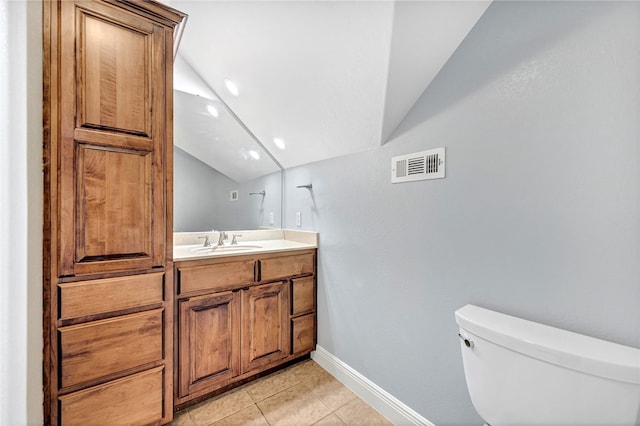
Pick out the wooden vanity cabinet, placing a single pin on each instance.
(232, 326)
(108, 271)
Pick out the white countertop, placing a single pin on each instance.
(282, 240)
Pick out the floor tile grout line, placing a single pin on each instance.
(263, 415)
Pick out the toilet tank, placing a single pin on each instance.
(519, 372)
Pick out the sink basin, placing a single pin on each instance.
(226, 249)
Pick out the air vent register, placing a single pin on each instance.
(418, 166)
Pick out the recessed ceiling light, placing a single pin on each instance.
(212, 110)
(254, 155)
(279, 143)
(231, 87)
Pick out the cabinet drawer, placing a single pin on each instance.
(303, 296)
(303, 334)
(215, 277)
(286, 266)
(99, 348)
(136, 399)
(109, 295)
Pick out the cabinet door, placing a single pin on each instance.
(265, 327)
(303, 296)
(209, 341)
(112, 140)
(303, 334)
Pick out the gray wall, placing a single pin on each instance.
(201, 198)
(538, 216)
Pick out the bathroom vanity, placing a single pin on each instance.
(241, 310)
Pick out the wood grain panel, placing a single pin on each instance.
(303, 297)
(265, 328)
(109, 295)
(114, 66)
(134, 400)
(303, 333)
(215, 277)
(99, 348)
(209, 341)
(114, 203)
(286, 266)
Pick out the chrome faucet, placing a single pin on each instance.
(223, 236)
(234, 241)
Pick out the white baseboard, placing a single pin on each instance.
(386, 404)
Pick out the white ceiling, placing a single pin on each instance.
(328, 77)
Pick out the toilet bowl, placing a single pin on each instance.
(519, 372)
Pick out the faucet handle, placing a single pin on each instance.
(234, 241)
(207, 243)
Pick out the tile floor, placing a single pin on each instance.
(302, 394)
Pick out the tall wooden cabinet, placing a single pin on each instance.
(108, 297)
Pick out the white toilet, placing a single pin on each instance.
(520, 372)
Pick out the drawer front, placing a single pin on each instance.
(109, 295)
(135, 399)
(303, 334)
(99, 348)
(286, 266)
(303, 296)
(216, 277)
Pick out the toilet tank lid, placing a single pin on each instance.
(561, 347)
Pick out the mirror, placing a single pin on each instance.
(223, 178)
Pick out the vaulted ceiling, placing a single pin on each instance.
(327, 78)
